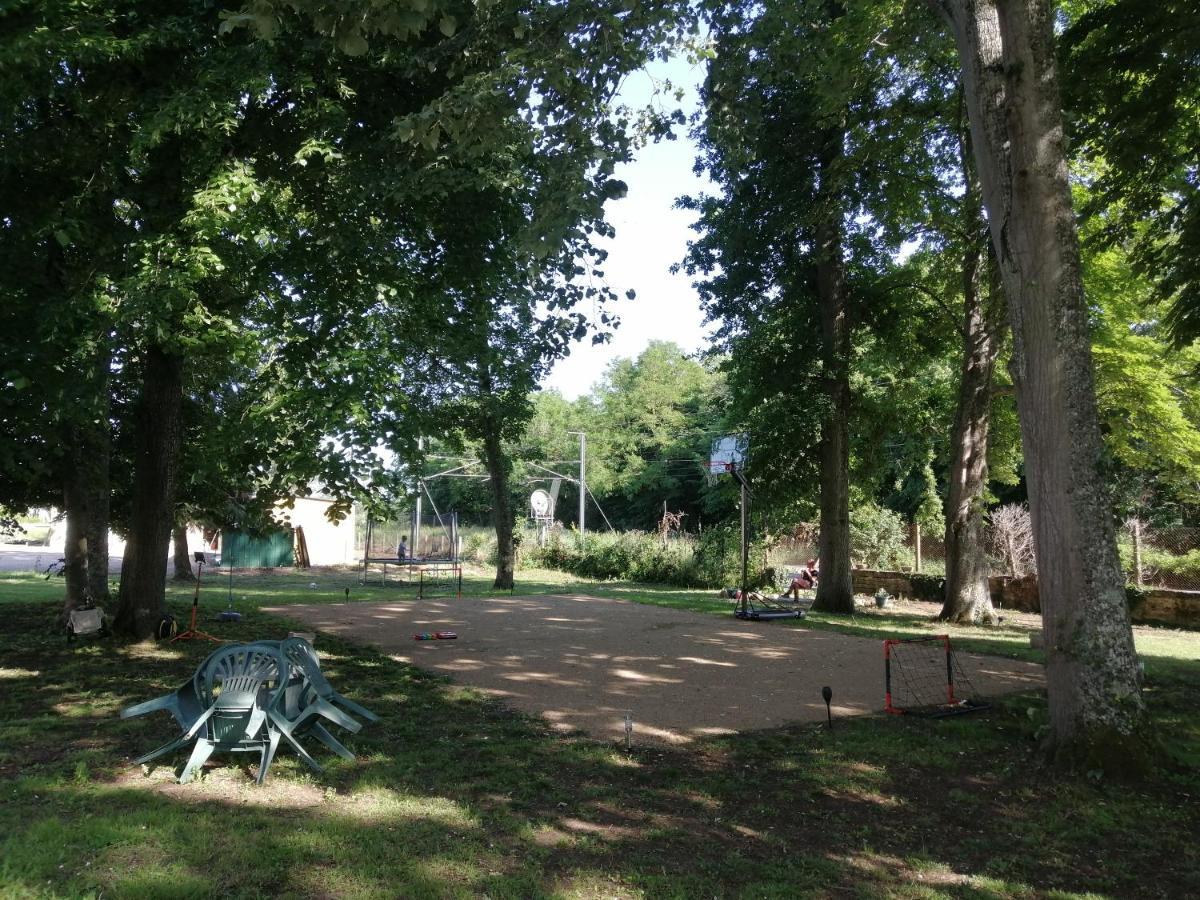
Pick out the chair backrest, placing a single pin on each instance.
(301, 655)
(238, 667)
(239, 691)
(86, 621)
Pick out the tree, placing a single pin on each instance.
(653, 420)
(1007, 51)
(772, 247)
(817, 133)
(1132, 82)
(968, 595)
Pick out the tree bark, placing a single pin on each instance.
(968, 598)
(498, 466)
(86, 503)
(181, 559)
(156, 461)
(75, 548)
(835, 589)
(1097, 715)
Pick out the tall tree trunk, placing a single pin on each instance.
(75, 548)
(92, 463)
(181, 559)
(968, 599)
(498, 468)
(156, 461)
(835, 589)
(86, 488)
(1097, 715)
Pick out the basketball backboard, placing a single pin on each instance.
(541, 505)
(727, 451)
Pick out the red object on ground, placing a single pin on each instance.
(435, 636)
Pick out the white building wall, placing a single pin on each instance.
(329, 543)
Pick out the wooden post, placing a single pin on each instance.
(916, 539)
(1137, 552)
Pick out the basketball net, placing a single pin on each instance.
(715, 470)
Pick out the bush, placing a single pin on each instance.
(1161, 566)
(713, 558)
(877, 537)
(479, 545)
(709, 560)
(931, 588)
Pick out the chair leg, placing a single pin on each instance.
(140, 709)
(163, 750)
(285, 729)
(200, 754)
(322, 735)
(331, 712)
(355, 708)
(268, 755)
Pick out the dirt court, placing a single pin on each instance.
(583, 662)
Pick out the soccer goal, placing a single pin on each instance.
(922, 676)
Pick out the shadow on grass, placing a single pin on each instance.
(454, 795)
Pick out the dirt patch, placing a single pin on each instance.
(583, 662)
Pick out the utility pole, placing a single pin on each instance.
(582, 481)
(416, 528)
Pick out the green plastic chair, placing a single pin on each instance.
(251, 679)
(182, 703)
(303, 705)
(302, 656)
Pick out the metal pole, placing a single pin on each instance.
(582, 482)
(916, 539)
(416, 527)
(745, 538)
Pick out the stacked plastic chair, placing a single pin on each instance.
(249, 698)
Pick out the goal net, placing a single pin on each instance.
(922, 676)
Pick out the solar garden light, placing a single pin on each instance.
(827, 693)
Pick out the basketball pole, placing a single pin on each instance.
(745, 495)
(745, 537)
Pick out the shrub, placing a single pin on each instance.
(711, 560)
(479, 545)
(877, 537)
(931, 588)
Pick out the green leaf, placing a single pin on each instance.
(353, 44)
(448, 26)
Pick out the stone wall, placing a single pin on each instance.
(1163, 606)
(868, 581)
(1160, 606)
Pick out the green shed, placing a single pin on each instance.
(242, 550)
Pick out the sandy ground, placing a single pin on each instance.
(583, 662)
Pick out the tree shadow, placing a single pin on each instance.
(453, 794)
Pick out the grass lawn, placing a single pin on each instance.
(454, 795)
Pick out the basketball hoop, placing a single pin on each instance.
(727, 453)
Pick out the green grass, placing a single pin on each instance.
(454, 795)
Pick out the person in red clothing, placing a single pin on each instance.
(804, 580)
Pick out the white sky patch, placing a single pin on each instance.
(651, 236)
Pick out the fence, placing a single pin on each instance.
(1152, 557)
(1166, 557)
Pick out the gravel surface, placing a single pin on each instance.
(583, 662)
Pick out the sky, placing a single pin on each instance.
(651, 235)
